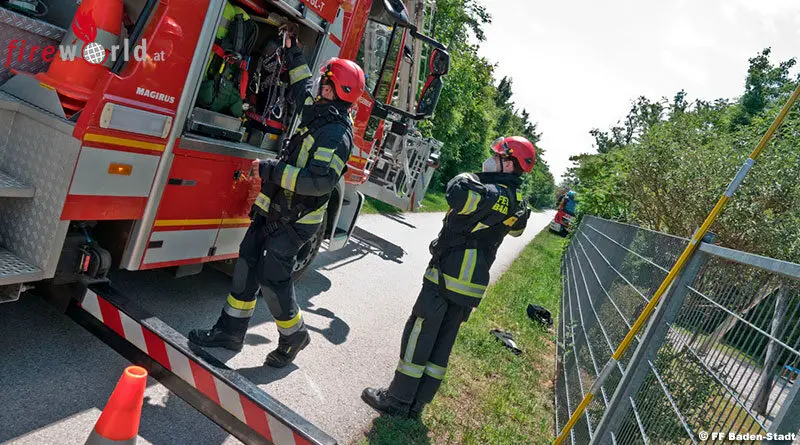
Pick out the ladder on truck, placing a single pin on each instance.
(401, 170)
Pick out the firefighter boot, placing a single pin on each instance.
(217, 337)
(415, 412)
(288, 348)
(381, 400)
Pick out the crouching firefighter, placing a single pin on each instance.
(289, 209)
(484, 208)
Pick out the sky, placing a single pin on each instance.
(579, 64)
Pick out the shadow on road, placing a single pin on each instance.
(362, 244)
(262, 375)
(60, 379)
(158, 423)
(195, 302)
(387, 430)
(337, 330)
(399, 218)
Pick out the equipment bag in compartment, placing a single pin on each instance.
(220, 101)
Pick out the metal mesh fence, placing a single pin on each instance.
(720, 355)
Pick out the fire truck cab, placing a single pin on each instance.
(141, 175)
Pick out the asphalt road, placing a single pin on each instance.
(55, 377)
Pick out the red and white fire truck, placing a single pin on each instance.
(133, 178)
(133, 173)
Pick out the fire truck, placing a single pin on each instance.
(137, 174)
(142, 176)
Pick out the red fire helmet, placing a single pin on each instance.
(347, 78)
(519, 148)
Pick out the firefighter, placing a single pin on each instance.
(484, 208)
(290, 207)
(569, 203)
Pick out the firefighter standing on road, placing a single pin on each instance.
(484, 208)
(292, 204)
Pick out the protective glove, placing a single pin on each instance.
(292, 52)
(432, 246)
(294, 57)
(266, 167)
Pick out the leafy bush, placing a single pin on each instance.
(666, 165)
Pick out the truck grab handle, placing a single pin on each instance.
(137, 31)
(429, 40)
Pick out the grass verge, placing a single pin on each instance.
(433, 202)
(489, 394)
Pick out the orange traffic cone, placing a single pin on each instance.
(95, 29)
(119, 422)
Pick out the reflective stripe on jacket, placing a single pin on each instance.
(313, 163)
(484, 208)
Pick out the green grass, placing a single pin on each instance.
(489, 394)
(433, 202)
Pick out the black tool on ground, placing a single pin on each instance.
(540, 314)
(507, 340)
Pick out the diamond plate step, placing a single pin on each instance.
(11, 187)
(14, 270)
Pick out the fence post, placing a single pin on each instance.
(653, 338)
(787, 421)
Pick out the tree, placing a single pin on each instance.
(763, 85)
(472, 110)
(665, 165)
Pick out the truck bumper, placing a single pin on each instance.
(224, 396)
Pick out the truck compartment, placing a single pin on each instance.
(204, 211)
(241, 98)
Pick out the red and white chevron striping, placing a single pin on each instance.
(191, 372)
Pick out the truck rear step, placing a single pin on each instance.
(11, 187)
(13, 272)
(221, 394)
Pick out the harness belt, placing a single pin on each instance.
(265, 121)
(235, 60)
(289, 214)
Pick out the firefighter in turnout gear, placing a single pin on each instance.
(484, 208)
(291, 206)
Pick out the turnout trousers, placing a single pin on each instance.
(265, 263)
(428, 338)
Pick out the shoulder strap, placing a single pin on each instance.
(334, 119)
(297, 210)
(321, 121)
(479, 217)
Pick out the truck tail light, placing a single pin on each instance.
(120, 169)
